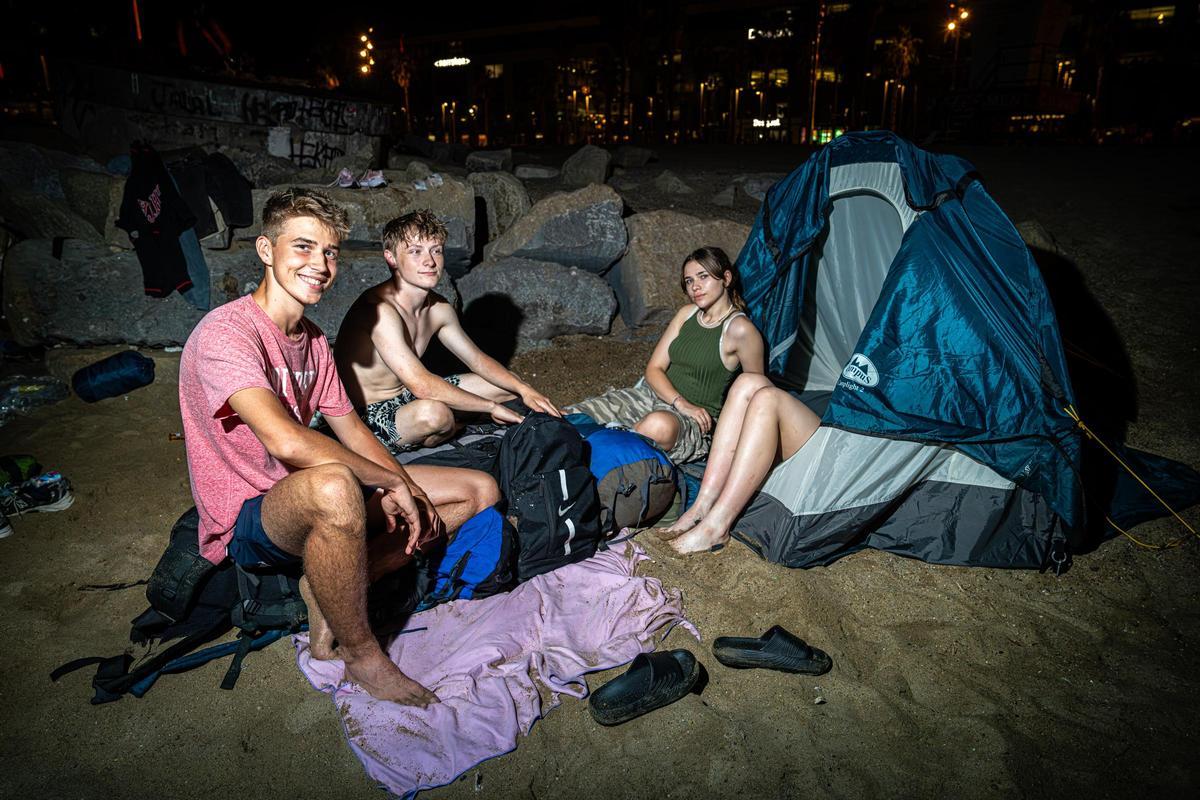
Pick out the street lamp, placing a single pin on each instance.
(737, 98)
(954, 28)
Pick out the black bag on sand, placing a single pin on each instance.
(196, 601)
(551, 494)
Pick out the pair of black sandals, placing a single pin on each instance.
(655, 680)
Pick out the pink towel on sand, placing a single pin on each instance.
(487, 659)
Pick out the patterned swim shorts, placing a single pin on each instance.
(380, 417)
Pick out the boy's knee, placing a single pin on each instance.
(335, 491)
(430, 416)
(487, 492)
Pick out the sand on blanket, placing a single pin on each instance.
(490, 661)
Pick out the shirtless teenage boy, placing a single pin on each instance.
(385, 333)
(271, 491)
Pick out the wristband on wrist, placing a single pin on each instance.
(675, 400)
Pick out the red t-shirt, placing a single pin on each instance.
(237, 346)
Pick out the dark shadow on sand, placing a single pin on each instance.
(1102, 377)
(492, 322)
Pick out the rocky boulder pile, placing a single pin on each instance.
(565, 264)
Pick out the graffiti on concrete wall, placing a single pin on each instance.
(218, 102)
(315, 153)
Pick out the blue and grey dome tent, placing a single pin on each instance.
(899, 301)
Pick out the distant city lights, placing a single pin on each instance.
(773, 33)
(365, 53)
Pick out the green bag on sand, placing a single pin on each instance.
(16, 469)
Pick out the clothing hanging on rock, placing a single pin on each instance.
(155, 215)
(200, 176)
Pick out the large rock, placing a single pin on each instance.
(755, 185)
(630, 156)
(93, 294)
(114, 236)
(39, 217)
(263, 169)
(490, 160)
(670, 183)
(452, 200)
(414, 171)
(39, 170)
(646, 279)
(536, 300)
(504, 198)
(623, 183)
(29, 168)
(362, 154)
(587, 165)
(95, 196)
(417, 170)
(576, 229)
(47, 193)
(538, 172)
(725, 197)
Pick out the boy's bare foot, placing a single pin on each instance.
(703, 537)
(320, 636)
(383, 680)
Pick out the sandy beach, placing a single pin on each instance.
(947, 682)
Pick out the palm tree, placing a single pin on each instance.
(901, 57)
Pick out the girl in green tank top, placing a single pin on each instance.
(706, 345)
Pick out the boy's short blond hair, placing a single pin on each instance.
(300, 202)
(415, 225)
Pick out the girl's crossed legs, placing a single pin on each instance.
(759, 427)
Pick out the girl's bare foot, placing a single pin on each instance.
(686, 521)
(704, 536)
(664, 534)
(320, 636)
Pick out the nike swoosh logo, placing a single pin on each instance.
(562, 510)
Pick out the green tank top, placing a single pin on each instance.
(696, 369)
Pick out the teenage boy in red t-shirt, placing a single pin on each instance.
(270, 490)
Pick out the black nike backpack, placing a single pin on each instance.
(551, 494)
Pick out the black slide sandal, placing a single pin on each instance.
(653, 680)
(776, 649)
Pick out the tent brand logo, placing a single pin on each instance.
(861, 370)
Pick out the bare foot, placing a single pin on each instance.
(320, 636)
(664, 534)
(704, 536)
(383, 680)
(685, 522)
